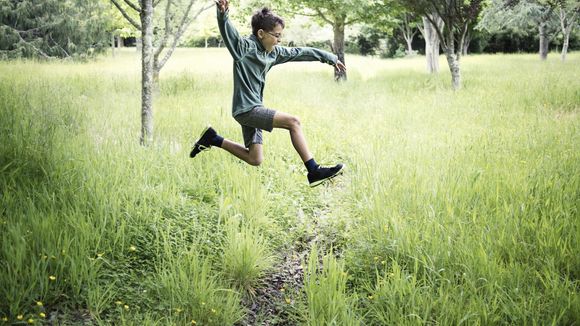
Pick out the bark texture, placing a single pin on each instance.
(338, 48)
(147, 72)
(432, 44)
(544, 41)
(567, 24)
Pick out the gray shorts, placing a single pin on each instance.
(253, 122)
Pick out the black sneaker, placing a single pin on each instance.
(204, 141)
(322, 174)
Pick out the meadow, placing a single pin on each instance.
(455, 208)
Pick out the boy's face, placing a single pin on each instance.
(271, 38)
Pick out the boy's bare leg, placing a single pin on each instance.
(252, 156)
(292, 124)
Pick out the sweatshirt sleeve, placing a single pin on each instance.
(237, 45)
(285, 54)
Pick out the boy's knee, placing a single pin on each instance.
(294, 122)
(255, 161)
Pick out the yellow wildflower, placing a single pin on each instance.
(376, 258)
(19, 317)
(132, 248)
(370, 297)
(39, 303)
(213, 311)
(4, 318)
(118, 303)
(193, 322)
(52, 278)
(126, 307)
(42, 315)
(30, 321)
(288, 300)
(100, 254)
(178, 310)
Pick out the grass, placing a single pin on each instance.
(457, 207)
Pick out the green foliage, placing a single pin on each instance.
(325, 290)
(52, 28)
(188, 290)
(246, 257)
(520, 18)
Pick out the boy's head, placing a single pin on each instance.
(267, 27)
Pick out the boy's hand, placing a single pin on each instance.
(340, 66)
(222, 5)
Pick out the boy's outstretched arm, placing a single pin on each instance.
(285, 54)
(236, 44)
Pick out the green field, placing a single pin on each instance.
(456, 207)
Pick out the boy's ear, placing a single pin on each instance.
(260, 33)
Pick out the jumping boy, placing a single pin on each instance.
(253, 57)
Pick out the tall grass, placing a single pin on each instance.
(457, 207)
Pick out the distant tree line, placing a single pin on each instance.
(388, 28)
(76, 28)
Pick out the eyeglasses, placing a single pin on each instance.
(276, 35)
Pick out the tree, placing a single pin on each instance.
(338, 14)
(52, 28)
(164, 42)
(457, 17)
(569, 11)
(409, 27)
(523, 15)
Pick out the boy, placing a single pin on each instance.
(253, 57)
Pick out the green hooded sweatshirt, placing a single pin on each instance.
(252, 62)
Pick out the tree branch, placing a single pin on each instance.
(61, 48)
(133, 6)
(185, 21)
(124, 13)
(22, 40)
(321, 15)
(168, 29)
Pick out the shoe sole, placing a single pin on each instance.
(201, 147)
(319, 182)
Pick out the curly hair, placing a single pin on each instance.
(266, 20)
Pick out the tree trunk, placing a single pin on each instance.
(544, 41)
(147, 72)
(454, 68)
(453, 59)
(338, 48)
(409, 46)
(567, 26)
(466, 42)
(431, 45)
(113, 44)
(156, 72)
(565, 45)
